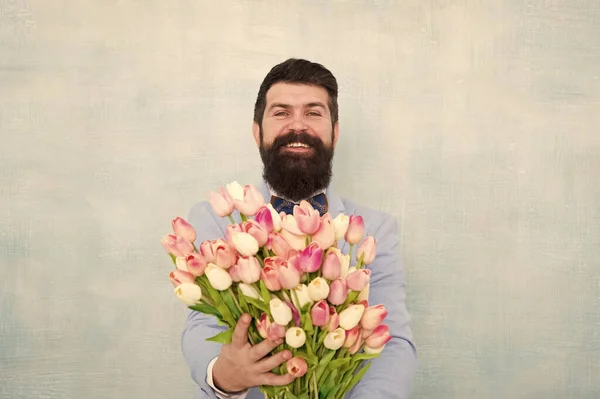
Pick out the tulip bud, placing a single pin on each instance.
(235, 190)
(249, 270)
(264, 217)
(281, 313)
(276, 218)
(350, 316)
(325, 236)
(344, 265)
(373, 351)
(379, 337)
(319, 313)
(334, 319)
(262, 325)
(279, 245)
(195, 264)
(221, 202)
(335, 339)
(288, 276)
(297, 242)
(218, 278)
(295, 337)
(332, 266)
(206, 249)
(356, 230)
(180, 263)
(183, 229)
(357, 280)
(300, 296)
(358, 343)
(244, 243)
(270, 276)
(296, 366)
(351, 336)
(307, 218)
(251, 201)
(318, 289)
(225, 256)
(373, 317)
(249, 291)
(179, 277)
(176, 245)
(310, 258)
(231, 228)
(340, 226)
(338, 292)
(367, 250)
(364, 294)
(188, 293)
(275, 331)
(253, 228)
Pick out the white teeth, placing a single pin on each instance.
(297, 145)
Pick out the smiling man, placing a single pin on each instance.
(296, 129)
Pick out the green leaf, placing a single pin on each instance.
(258, 304)
(323, 364)
(205, 308)
(328, 385)
(222, 337)
(242, 301)
(310, 359)
(264, 292)
(307, 324)
(357, 377)
(230, 302)
(337, 363)
(365, 356)
(174, 259)
(221, 307)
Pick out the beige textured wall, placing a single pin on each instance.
(475, 122)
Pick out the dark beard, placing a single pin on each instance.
(297, 176)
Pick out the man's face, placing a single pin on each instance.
(296, 139)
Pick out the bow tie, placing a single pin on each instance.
(319, 202)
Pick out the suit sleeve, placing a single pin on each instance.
(198, 327)
(391, 375)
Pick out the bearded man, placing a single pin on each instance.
(296, 129)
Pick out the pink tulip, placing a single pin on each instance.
(270, 276)
(290, 224)
(297, 242)
(307, 218)
(332, 266)
(295, 262)
(356, 230)
(179, 277)
(334, 319)
(381, 336)
(249, 270)
(221, 202)
(183, 229)
(177, 245)
(373, 317)
(325, 236)
(275, 331)
(262, 325)
(225, 256)
(252, 201)
(351, 337)
(195, 264)
(265, 218)
(358, 343)
(310, 258)
(338, 291)
(232, 228)
(296, 366)
(295, 313)
(279, 245)
(206, 249)
(234, 272)
(358, 279)
(253, 228)
(367, 250)
(288, 276)
(366, 333)
(319, 313)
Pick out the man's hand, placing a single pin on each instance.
(241, 366)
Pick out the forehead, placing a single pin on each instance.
(296, 94)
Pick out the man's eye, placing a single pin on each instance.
(313, 113)
(280, 113)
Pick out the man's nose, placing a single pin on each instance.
(298, 123)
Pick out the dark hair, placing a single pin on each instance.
(300, 71)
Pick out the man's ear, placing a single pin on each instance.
(256, 133)
(336, 132)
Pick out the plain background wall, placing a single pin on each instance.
(476, 123)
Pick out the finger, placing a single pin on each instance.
(271, 362)
(240, 333)
(263, 348)
(275, 380)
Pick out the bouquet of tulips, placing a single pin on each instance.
(288, 273)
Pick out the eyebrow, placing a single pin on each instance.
(288, 106)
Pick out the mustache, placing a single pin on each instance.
(296, 137)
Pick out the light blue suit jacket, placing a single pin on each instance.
(391, 375)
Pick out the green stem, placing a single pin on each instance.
(231, 219)
(244, 217)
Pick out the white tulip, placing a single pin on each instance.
(276, 218)
(218, 278)
(340, 225)
(364, 294)
(300, 296)
(350, 316)
(188, 293)
(249, 291)
(371, 351)
(295, 337)
(181, 263)
(244, 243)
(345, 265)
(318, 289)
(335, 339)
(235, 190)
(281, 312)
